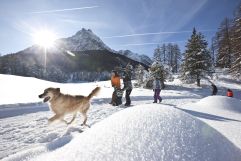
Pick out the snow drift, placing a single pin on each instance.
(147, 132)
(220, 112)
(220, 102)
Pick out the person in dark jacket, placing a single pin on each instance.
(157, 90)
(215, 89)
(127, 85)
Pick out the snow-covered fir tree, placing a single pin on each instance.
(170, 56)
(139, 73)
(223, 44)
(163, 53)
(174, 57)
(157, 54)
(197, 61)
(156, 70)
(213, 51)
(177, 56)
(236, 44)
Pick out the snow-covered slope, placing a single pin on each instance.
(147, 131)
(140, 58)
(81, 41)
(221, 112)
(24, 131)
(221, 103)
(16, 89)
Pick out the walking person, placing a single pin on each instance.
(127, 84)
(115, 82)
(215, 89)
(157, 90)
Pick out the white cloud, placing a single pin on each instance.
(153, 33)
(63, 10)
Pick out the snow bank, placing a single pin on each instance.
(146, 132)
(220, 102)
(24, 90)
(17, 89)
(220, 112)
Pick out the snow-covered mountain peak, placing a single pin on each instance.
(84, 33)
(140, 58)
(83, 40)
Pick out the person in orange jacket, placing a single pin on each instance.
(115, 79)
(115, 82)
(229, 93)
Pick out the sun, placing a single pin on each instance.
(44, 38)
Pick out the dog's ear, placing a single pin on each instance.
(58, 89)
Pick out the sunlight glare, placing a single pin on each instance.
(44, 38)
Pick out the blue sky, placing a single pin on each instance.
(137, 25)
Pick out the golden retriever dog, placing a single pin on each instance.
(62, 104)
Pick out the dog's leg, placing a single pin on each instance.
(74, 116)
(55, 117)
(64, 121)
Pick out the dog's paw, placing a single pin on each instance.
(85, 125)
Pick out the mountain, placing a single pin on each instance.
(83, 40)
(140, 58)
(93, 60)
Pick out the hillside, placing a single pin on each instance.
(61, 67)
(93, 60)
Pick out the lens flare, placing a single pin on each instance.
(44, 38)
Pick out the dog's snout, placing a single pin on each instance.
(41, 96)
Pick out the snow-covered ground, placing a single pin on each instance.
(24, 132)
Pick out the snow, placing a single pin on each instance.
(147, 131)
(222, 113)
(25, 134)
(221, 102)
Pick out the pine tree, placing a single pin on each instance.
(213, 52)
(157, 54)
(176, 58)
(171, 57)
(223, 44)
(236, 43)
(139, 72)
(197, 61)
(157, 69)
(164, 54)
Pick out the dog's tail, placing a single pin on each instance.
(94, 93)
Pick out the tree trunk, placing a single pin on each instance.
(198, 82)
(162, 84)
